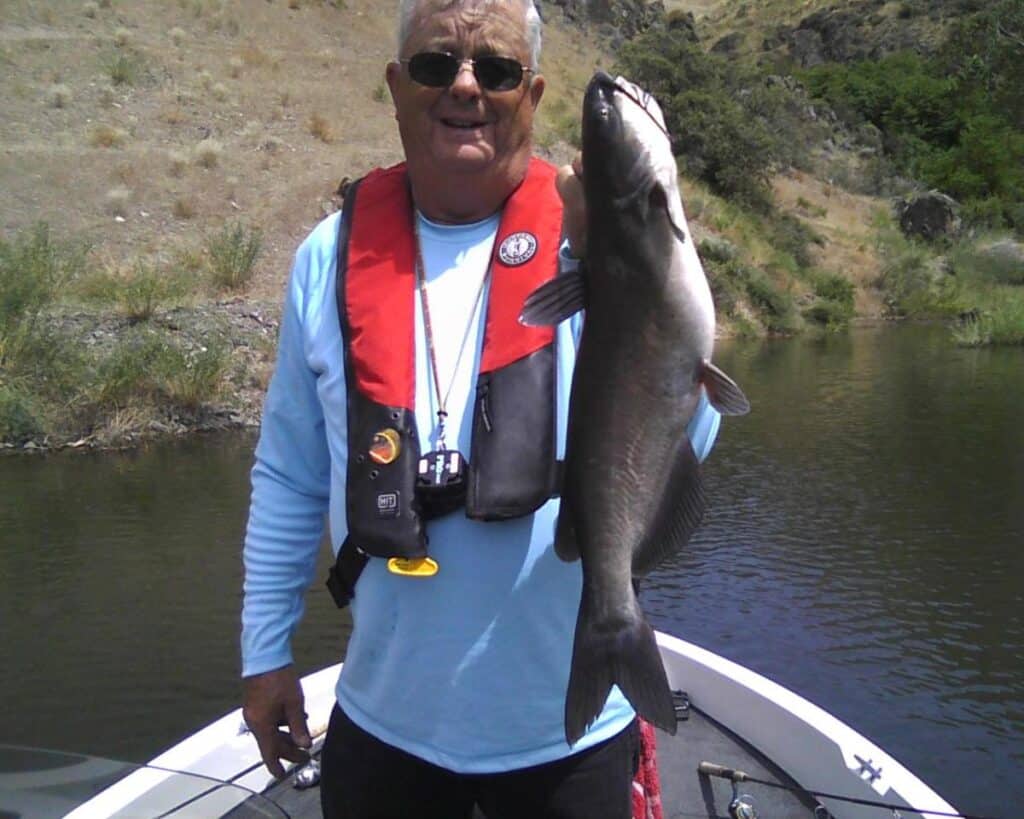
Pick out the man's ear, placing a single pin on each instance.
(536, 90)
(392, 75)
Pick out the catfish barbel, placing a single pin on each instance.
(632, 493)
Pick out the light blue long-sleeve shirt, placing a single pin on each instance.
(467, 669)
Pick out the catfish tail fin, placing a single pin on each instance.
(624, 653)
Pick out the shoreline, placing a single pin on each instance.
(251, 328)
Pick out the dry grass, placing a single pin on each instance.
(59, 95)
(183, 208)
(320, 128)
(272, 77)
(107, 136)
(177, 163)
(118, 201)
(208, 153)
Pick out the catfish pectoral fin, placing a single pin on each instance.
(723, 393)
(626, 656)
(554, 301)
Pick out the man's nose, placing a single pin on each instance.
(465, 85)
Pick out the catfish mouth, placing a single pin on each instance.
(616, 165)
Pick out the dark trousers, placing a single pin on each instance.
(364, 778)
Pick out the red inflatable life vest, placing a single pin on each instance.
(512, 469)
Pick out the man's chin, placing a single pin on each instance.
(467, 158)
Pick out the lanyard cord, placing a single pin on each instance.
(421, 280)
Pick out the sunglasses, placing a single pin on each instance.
(438, 69)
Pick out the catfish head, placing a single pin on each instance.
(629, 171)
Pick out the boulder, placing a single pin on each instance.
(729, 44)
(621, 18)
(1005, 258)
(928, 216)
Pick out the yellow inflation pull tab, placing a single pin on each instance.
(413, 567)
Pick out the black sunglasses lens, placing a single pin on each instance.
(436, 69)
(433, 69)
(498, 73)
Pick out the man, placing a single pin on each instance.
(398, 346)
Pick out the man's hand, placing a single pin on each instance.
(569, 184)
(271, 700)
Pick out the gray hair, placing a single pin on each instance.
(407, 10)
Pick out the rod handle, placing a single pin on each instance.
(711, 769)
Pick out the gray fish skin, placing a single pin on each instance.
(632, 492)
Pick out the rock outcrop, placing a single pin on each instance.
(619, 19)
(928, 216)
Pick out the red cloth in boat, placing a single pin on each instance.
(646, 785)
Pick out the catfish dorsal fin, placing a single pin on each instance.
(554, 301)
(723, 393)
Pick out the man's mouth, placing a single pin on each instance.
(463, 124)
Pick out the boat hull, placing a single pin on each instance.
(813, 748)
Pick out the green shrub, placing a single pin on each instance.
(726, 278)
(834, 301)
(232, 256)
(138, 293)
(147, 289)
(954, 119)
(1003, 325)
(985, 265)
(18, 415)
(128, 371)
(123, 67)
(148, 366)
(189, 379)
(776, 307)
(729, 127)
(34, 268)
(789, 234)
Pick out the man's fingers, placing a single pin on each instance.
(297, 725)
(275, 746)
(268, 745)
(574, 213)
(568, 182)
(275, 699)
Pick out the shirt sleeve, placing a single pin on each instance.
(290, 492)
(703, 427)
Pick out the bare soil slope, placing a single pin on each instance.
(144, 125)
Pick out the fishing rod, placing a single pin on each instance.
(733, 775)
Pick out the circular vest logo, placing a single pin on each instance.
(518, 248)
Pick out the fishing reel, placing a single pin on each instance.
(741, 806)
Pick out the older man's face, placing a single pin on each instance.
(464, 127)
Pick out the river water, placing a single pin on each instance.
(865, 547)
